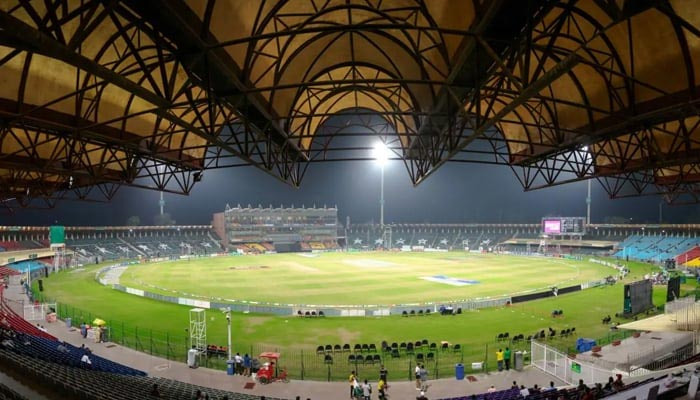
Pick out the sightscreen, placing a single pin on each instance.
(57, 234)
(674, 288)
(638, 297)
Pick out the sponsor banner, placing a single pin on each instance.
(433, 250)
(352, 313)
(194, 303)
(137, 292)
(618, 267)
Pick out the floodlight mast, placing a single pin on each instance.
(588, 204)
(381, 156)
(381, 199)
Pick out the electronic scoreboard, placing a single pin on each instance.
(564, 226)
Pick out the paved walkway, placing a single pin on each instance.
(160, 367)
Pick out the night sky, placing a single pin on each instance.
(455, 193)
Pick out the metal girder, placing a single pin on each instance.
(74, 163)
(476, 127)
(677, 190)
(495, 73)
(654, 147)
(29, 199)
(499, 26)
(55, 123)
(19, 35)
(217, 71)
(642, 116)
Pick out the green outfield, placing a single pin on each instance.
(159, 328)
(360, 278)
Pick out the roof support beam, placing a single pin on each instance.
(530, 91)
(654, 112)
(218, 71)
(19, 35)
(500, 24)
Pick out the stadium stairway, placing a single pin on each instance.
(131, 246)
(5, 271)
(11, 319)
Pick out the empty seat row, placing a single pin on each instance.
(88, 384)
(63, 353)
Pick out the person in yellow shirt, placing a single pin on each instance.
(352, 379)
(499, 359)
(382, 386)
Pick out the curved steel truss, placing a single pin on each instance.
(98, 94)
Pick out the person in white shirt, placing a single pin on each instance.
(417, 376)
(366, 390)
(238, 360)
(550, 388)
(85, 360)
(524, 391)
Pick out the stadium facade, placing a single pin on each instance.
(260, 230)
(277, 229)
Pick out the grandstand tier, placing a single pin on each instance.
(655, 248)
(688, 256)
(260, 230)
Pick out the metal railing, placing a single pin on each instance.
(301, 363)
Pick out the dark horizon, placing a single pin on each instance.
(457, 193)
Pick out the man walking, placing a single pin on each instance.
(238, 362)
(366, 390)
(246, 365)
(423, 378)
(416, 372)
(383, 374)
(499, 359)
(352, 380)
(506, 356)
(382, 387)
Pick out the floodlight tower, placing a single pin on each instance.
(587, 156)
(381, 155)
(588, 204)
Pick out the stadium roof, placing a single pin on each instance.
(99, 94)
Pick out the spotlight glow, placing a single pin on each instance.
(381, 153)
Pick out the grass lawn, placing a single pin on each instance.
(159, 328)
(359, 278)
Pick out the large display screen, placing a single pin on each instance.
(572, 226)
(551, 226)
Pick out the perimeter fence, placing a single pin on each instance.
(332, 363)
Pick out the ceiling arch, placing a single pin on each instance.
(96, 95)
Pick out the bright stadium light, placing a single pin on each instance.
(381, 153)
